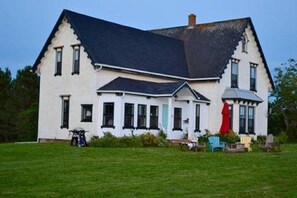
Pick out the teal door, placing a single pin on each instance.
(165, 116)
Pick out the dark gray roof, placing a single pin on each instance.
(147, 88)
(210, 46)
(118, 45)
(201, 52)
(239, 94)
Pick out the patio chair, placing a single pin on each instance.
(214, 142)
(246, 140)
(270, 144)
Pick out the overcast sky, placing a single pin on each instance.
(26, 24)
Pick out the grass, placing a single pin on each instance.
(58, 170)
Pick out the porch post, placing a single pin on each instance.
(169, 125)
(191, 120)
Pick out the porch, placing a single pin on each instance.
(133, 106)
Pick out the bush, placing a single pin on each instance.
(162, 141)
(149, 139)
(130, 141)
(231, 137)
(162, 134)
(261, 138)
(203, 139)
(146, 139)
(108, 140)
(282, 137)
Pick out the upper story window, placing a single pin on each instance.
(76, 59)
(234, 73)
(244, 43)
(58, 70)
(253, 76)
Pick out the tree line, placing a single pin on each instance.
(19, 98)
(283, 106)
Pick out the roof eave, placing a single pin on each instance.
(156, 74)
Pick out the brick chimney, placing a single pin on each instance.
(192, 21)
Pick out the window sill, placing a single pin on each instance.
(128, 127)
(197, 130)
(177, 129)
(75, 73)
(154, 128)
(254, 90)
(64, 127)
(142, 128)
(58, 74)
(107, 126)
(86, 121)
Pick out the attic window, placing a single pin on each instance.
(58, 71)
(244, 43)
(76, 59)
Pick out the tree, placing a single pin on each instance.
(24, 99)
(5, 124)
(18, 105)
(285, 95)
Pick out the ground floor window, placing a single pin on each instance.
(246, 119)
(129, 115)
(86, 112)
(197, 120)
(154, 116)
(177, 119)
(251, 120)
(141, 122)
(242, 119)
(108, 114)
(231, 116)
(65, 112)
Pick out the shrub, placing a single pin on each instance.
(203, 139)
(261, 138)
(231, 137)
(162, 141)
(130, 141)
(149, 139)
(162, 134)
(108, 140)
(111, 141)
(282, 137)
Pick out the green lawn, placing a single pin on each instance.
(59, 170)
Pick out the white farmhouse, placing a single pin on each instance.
(106, 77)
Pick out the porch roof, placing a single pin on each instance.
(148, 88)
(240, 94)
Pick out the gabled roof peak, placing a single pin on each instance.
(196, 53)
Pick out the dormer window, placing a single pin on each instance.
(58, 70)
(76, 59)
(234, 73)
(244, 43)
